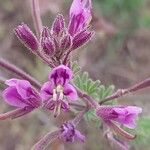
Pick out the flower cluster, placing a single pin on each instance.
(54, 46)
(57, 42)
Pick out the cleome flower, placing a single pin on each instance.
(68, 133)
(22, 95)
(57, 92)
(125, 115)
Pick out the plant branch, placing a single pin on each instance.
(121, 92)
(87, 98)
(77, 105)
(10, 67)
(36, 16)
(46, 140)
(79, 117)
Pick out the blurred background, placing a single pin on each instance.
(119, 54)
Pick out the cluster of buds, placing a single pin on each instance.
(56, 43)
(54, 46)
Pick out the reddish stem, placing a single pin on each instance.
(36, 17)
(122, 92)
(10, 67)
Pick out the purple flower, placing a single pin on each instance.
(21, 94)
(69, 133)
(80, 15)
(27, 37)
(57, 91)
(125, 115)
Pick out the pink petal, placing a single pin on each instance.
(127, 115)
(60, 75)
(12, 97)
(22, 86)
(134, 109)
(76, 7)
(11, 82)
(47, 90)
(70, 92)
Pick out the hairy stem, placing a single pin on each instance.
(45, 59)
(77, 105)
(10, 67)
(36, 16)
(46, 140)
(79, 117)
(87, 98)
(121, 92)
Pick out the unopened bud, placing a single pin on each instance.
(27, 37)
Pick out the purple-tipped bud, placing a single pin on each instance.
(45, 32)
(80, 15)
(27, 37)
(48, 46)
(69, 133)
(81, 38)
(66, 42)
(58, 25)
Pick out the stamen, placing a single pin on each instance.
(59, 88)
(54, 95)
(61, 95)
(57, 110)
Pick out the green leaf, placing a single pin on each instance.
(75, 67)
(143, 131)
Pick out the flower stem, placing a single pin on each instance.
(10, 67)
(36, 16)
(121, 92)
(15, 113)
(77, 105)
(79, 117)
(46, 140)
(87, 98)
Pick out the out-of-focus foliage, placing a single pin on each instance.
(143, 132)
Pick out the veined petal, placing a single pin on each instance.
(60, 75)
(127, 115)
(80, 15)
(21, 86)
(70, 92)
(47, 90)
(11, 82)
(12, 97)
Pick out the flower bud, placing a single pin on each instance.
(58, 25)
(48, 46)
(66, 42)
(27, 37)
(45, 32)
(81, 38)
